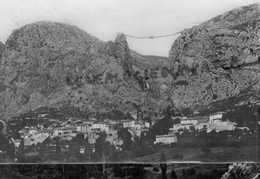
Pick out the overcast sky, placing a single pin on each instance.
(105, 18)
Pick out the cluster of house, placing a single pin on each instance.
(90, 128)
(208, 123)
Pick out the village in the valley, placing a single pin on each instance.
(90, 129)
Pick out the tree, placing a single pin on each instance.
(177, 121)
(7, 146)
(142, 146)
(163, 125)
(168, 112)
(101, 147)
(126, 136)
(163, 165)
(186, 111)
(173, 175)
(191, 171)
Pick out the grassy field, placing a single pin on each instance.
(217, 154)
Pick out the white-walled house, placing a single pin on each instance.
(184, 124)
(216, 116)
(101, 126)
(165, 139)
(176, 127)
(188, 123)
(36, 138)
(136, 125)
(65, 132)
(79, 128)
(147, 124)
(128, 124)
(83, 128)
(82, 150)
(179, 117)
(218, 125)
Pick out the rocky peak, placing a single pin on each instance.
(121, 42)
(46, 63)
(219, 57)
(54, 64)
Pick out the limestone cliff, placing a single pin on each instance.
(47, 64)
(217, 60)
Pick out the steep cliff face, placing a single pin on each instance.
(217, 59)
(51, 63)
(56, 65)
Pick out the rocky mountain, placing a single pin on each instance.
(217, 60)
(48, 64)
(58, 65)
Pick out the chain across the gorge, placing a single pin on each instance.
(151, 37)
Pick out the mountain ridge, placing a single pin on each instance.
(55, 64)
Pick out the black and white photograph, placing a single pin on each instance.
(129, 86)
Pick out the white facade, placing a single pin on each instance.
(101, 126)
(165, 139)
(188, 123)
(82, 150)
(176, 127)
(65, 132)
(36, 138)
(128, 124)
(180, 117)
(57, 132)
(215, 116)
(147, 124)
(79, 128)
(221, 126)
(137, 125)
